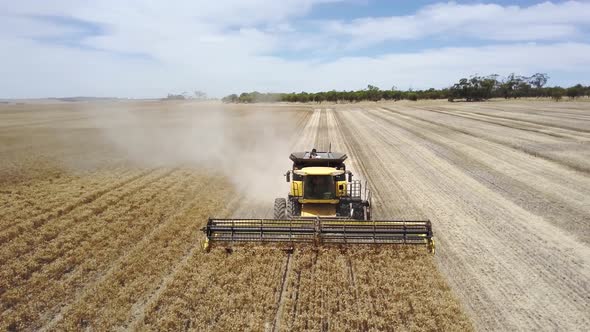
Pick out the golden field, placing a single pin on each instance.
(102, 204)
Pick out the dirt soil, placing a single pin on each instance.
(102, 202)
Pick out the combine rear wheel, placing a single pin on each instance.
(280, 208)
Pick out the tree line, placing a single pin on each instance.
(198, 95)
(474, 88)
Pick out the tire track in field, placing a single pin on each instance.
(395, 288)
(321, 139)
(565, 111)
(313, 132)
(276, 323)
(557, 111)
(309, 134)
(312, 136)
(518, 124)
(340, 143)
(315, 136)
(561, 162)
(485, 241)
(502, 123)
(388, 202)
(396, 171)
(557, 150)
(326, 131)
(545, 112)
(556, 208)
(558, 133)
(405, 128)
(523, 121)
(319, 302)
(554, 172)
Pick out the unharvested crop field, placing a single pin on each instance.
(101, 205)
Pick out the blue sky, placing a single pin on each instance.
(362, 8)
(139, 49)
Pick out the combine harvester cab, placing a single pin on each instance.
(324, 206)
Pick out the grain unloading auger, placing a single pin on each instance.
(324, 206)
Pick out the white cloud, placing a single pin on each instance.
(544, 21)
(224, 46)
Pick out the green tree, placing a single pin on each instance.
(575, 91)
(233, 98)
(557, 93)
(245, 98)
(474, 88)
(538, 80)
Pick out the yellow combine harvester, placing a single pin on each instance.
(324, 206)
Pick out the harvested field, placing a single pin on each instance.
(101, 205)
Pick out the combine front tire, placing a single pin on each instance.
(358, 212)
(293, 208)
(280, 208)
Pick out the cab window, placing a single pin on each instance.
(319, 187)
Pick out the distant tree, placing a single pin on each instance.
(575, 91)
(233, 98)
(538, 80)
(321, 97)
(372, 93)
(331, 96)
(172, 96)
(507, 86)
(303, 97)
(200, 95)
(474, 88)
(557, 93)
(245, 98)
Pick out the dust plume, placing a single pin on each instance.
(250, 147)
